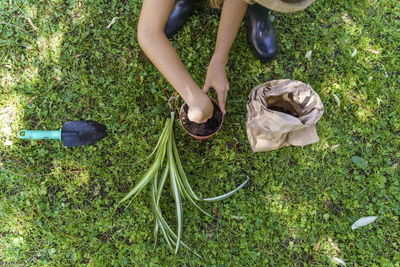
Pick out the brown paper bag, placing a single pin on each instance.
(282, 113)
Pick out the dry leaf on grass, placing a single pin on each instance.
(339, 261)
(394, 167)
(363, 221)
(111, 23)
(333, 245)
(308, 54)
(316, 247)
(8, 142)
(337, 99)
(31, 23)
(335, 147)
(373, 51)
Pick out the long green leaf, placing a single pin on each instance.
(170, 235)
(175, 193)
(187, 186)
(227, 194)
(146, 178)
(156, 200)
(197, 206)
(162, 222)
(184, 184)
(154, 193)
(143, 182)
(162, 181)
(174, 171)
(162, 136)
(167, 238)
(184, 179)
(156, 210)
(155, 234)
(188, 197)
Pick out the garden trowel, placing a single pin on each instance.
(73, 133)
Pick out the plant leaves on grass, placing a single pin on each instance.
(359, 161)
(363, 221)
(180, 187)
(339, 261)
(337, 99)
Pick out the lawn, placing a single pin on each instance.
(60, 62)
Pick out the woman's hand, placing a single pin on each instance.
(201, 109)
(216, 78)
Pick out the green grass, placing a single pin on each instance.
(56, 203)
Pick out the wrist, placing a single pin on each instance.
(195, 97)
(219, 59)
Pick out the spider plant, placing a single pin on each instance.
(167, 164)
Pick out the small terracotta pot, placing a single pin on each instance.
(196, 136)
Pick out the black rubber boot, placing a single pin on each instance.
(179, 15)
(261, 33)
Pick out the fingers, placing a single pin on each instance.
(222, 95)
(206, 87)
(222, 92)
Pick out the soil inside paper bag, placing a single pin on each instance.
(284, 103)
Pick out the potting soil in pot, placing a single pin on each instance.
(202, 129)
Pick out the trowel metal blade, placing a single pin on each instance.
(80, 133)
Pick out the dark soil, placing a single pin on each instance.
(202, 129)
(281, 109)
(286, 104)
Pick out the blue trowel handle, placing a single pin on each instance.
(28, 134)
